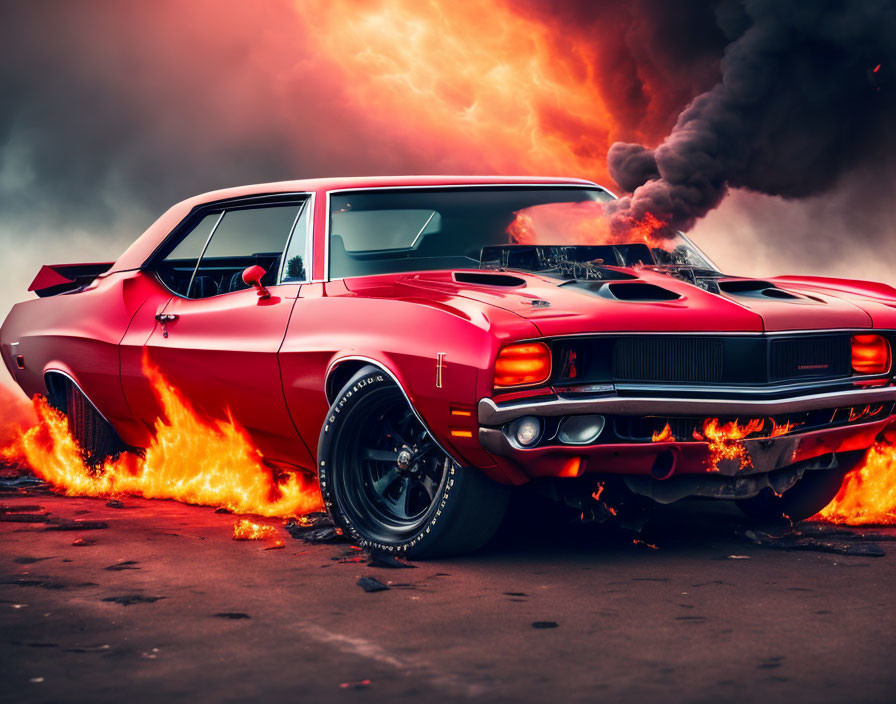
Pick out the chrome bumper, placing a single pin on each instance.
(494, 414)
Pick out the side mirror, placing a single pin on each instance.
(252, 277)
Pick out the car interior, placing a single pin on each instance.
(224, 242)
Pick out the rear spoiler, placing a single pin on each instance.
(53, 279)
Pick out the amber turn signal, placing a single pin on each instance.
(523, 364)
(870, 354)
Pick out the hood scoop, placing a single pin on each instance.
(638, 291)
(488, 279)
(633, 291)
(751, 288)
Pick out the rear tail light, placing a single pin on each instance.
(870, 354)
(523, 364)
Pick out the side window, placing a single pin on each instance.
(296, 261)
(243, 238)
(176, 270)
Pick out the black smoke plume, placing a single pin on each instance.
(806, 92)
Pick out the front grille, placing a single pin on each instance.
(681, 359)
(815, 356)
(731, 360)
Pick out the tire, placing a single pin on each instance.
(98, 440)
(390, 487)
(805, 498)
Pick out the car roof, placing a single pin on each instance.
(148, 242)
(343, 182)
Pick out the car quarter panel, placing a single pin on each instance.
(78, 334)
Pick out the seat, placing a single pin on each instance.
(237, 283)
(203, 287)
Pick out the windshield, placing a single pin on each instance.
(397, 230)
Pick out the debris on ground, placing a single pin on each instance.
(388, 560)
(24, 517)
(840, 543)
(351, 557)
(823, 529)
(131, 599)
(362, 684)
(314, 528)
(371, 584)
(324, 535)
(20, 481)
(123, 565)
(114, 503)
(222, 509)
(68, 524)
(84, 542)
(249, 530)
(545, 624)
(644, 544)
(21, 508)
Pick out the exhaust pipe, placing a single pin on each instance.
(664, 464)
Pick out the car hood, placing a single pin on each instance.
(644, 300)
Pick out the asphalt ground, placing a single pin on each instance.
(163, 605)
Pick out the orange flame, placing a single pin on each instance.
(210, 463)
(249, 530)
(725, 440)
(868, 494)
(664, 435)
(778, 430)
(18, 415)
(649, 229)
(494, 84)
(583, 223)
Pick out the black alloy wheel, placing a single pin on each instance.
(387, 482)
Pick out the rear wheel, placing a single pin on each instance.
(389, 485)
(805, 498)
(98, 440)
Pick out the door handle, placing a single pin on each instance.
(166, 317)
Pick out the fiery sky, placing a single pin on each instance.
(111, 111)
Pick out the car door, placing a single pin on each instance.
(216, 339)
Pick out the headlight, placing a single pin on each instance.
(870, 354)
(526, 430)
(523, 364)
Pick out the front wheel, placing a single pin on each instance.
(805, 498)
(388, 484)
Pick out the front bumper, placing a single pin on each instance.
(663, 460)
(491, 413)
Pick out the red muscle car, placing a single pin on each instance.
(424, 343)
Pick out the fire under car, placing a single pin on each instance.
(423, 345)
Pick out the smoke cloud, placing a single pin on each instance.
(805, 95)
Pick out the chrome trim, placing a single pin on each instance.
(590, 185)
(77, 386)
(336, 362)
(307, 206)
(746, 390)
(13, 365)
(202, 253)
(425, 225)
(491, 414)
(717, 333)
